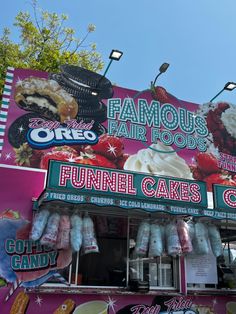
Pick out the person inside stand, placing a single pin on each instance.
(117, 264)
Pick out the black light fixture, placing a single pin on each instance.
(162, 69)
(114, 55)
(228, 86)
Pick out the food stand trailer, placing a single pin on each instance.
(137, 214)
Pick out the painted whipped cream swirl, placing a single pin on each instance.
(150, 160)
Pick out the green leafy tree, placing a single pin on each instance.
(45, 43)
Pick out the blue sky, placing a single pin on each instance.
(197, 38)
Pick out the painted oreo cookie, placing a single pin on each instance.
(17, 133)
(98, 128)
(99, 114)
(86, 86)
(82, 94)
(80, 77)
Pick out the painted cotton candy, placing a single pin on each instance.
(34, 278)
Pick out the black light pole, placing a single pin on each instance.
(228, 86)
(162, 69)
(114, 55)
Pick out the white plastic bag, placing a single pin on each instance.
(184, 236)
(49, 237)
(76, 232)
(156, 245)
(38, 224)
(63, 237)
(89, 241)
(201, 240)
(142, 239)
(191, 229)
(172, 240)
(215, 240)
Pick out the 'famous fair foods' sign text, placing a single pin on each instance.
(78, 116)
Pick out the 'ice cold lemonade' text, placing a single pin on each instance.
(122, 182)
(125, 119)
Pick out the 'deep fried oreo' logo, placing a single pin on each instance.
(44, 133)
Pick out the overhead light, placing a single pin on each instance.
(115, 55)
(163, 67)
(228, 86)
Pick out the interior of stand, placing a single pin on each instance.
(116, 232)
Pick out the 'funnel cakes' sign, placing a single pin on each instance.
(76, 115)
(112, 182)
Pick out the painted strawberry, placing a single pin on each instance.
(207, 163)
(86, 159)
(196, 172)
(160, 94)
(105, 162)
(56, 155)
(108, 145)
(26, 156)
(121, 161)
(94, 160)
(219, 178)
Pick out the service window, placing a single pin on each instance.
(121, 254)
(105, 262)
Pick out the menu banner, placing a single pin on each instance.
(112, 182)
(224, 197)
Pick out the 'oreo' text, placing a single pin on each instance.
(43, 136)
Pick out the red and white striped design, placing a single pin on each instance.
(13, 288)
